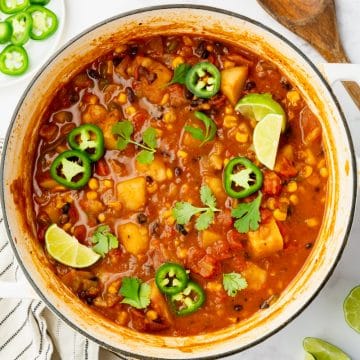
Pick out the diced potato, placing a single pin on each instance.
(134, 237)
(156, 169)
(209, 237)
(190, 141)
(232, 82)
(132, 193)
(255, 276)
(216, 186)
(159, 304)
(265, 241)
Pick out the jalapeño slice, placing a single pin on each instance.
(71, 169)
(88, 138)
(44, 22)
(171, 278)
(21, 25)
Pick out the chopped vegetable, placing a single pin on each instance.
(134, 237)
(184, 211)
(14, 60)
(232, 82)
(352, 309)
(171, 278)
(104, 240)
(21, 25)
(132, 193)
(136, 293)
(322, 350)
(199, 134)
(180, 73)
(13, 6)
(44, 22)
(5, 32)
(255, 276)
(247, 215)
(234, 282)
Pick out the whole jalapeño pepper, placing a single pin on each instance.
(242, 178)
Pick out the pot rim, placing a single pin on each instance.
(118, 352)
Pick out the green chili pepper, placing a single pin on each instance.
(71, 169)
(203, 80)
(13, 6)
(5, 32)
(171, 278)
(21, 24)
(13, 60)
(242, 178)
(44, 22)
(188, 300)
(39, 2)
(88, 138)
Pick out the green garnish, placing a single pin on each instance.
(200, 134)
(180, 73)
(234, 282)
(248, 215)
(104, 240)
(184, 211)
(136, 293)
(124, 130)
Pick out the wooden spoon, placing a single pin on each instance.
(314, 21)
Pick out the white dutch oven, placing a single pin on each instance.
(17, 181)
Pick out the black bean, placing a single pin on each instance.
(93, 74)
(285, 84)
(202, 51)
(65, 209)
(117, 60)
(142, 218)
(133, 50)
(74, 97)
(130, 94)
(238, 307)
(181, 229)
(154, 228)
(308, 245)
(177, 171)
(149, 179)
(250, 85)
(264, 305)
(219, 48)
(188, 94)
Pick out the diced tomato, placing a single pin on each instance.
(272, 183)
(218, 101)
(285, 167)
(41, 232)
(225, 219)
(102, 168)
(139, 118)
(80, 233)
(266, 215)
(220, 250)
(208, 267)
(234, 239)
(73, 214)
(237, 263)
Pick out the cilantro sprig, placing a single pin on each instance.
(200, 134)
(135, 293)
(247, 215)
(104, 240)
(124, 130)
(180, 73)
(184, 211)
(234, 282)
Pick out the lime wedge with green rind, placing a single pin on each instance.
(309, 356)
(67, 250)
(322, 350)
(351, 308)
(257, 106)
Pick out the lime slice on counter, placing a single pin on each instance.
(67, 250)
(322, 350)
(257, 106)
(266, 139)
(309, 356)
(352, 309)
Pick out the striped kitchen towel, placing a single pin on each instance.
(28, 330)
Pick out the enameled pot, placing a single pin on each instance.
(20, 145)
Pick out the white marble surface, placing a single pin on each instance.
(324, 317)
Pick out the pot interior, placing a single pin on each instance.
(17, 184)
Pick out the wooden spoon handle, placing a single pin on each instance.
(354, 91)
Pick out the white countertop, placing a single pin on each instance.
(324, 317)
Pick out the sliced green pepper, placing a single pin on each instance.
(44, 22)
(13, 6)
(39, 2)
(171, 278)
(203, 80)
(71, 169)
(5, 32)
(242, 178)
(188, 300)
(13, 60)
(88, 138)
(21, 24)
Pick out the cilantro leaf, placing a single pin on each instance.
(104, 240)
(124, 130)
(248, 215)
(136, 294)
(184, 211)
(242, 178)
(145, 157)
(149, 137)
(200, 134)
(180, 73)
(234, 282)
(196, 133)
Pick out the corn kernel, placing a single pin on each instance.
(151, 315)
(312, 222)
(108, 183)
(131, 110)
(306, 171)
(159, 132)
(293, 96)
(93, 184)
(181, 253)
(270, 203)
(209, 48)
(120, 49)
(122, 98)
(230, 121)
(310, 158)
(292, 186)
(169, 174)
(113, 288)
(91, 195)
(213, 286)
(169, 117)
(152, 187)
(279, 215)
(321, 164)
(182, 154)
(324, 172)
(294, 199)
(204, 106)
(170, 220)
(241, 137)
(67, 226)
(122, 318)
(167, 213)
(226, 161)
(101, 217)
(116, 205)
(165, 99)
(229, 110)
(169, 127)
(177, 61)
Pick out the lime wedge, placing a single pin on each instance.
(322, 350)
(67, 250)
(352, 309)
(309, 356)
(266, 139)
(257, 106)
